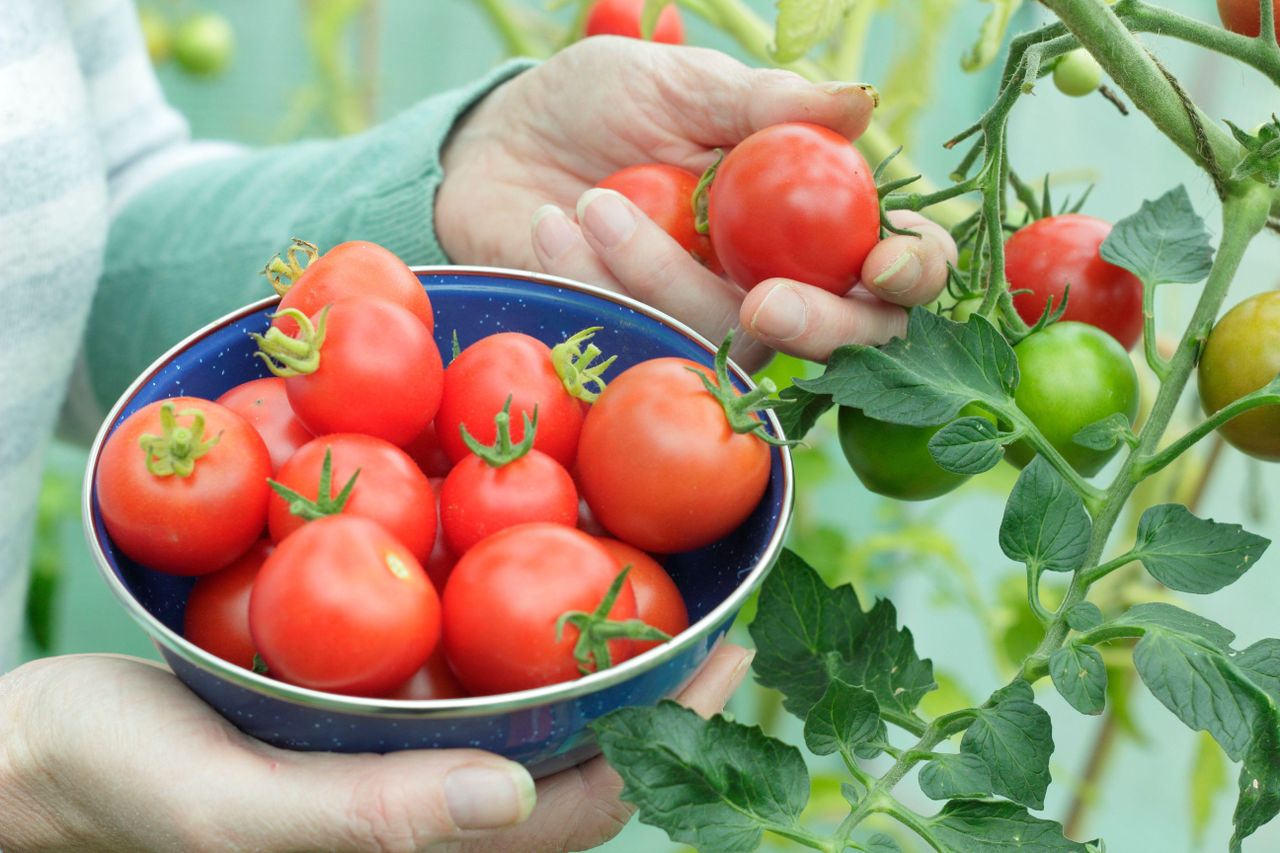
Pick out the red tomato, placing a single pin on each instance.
(1051, 253)
(505, 596)
(794, 201)
(342, 606)
(389, 489)
(194, 501)
(658, 599)
(622, 18)
(434, 681)
(441, 561)
(659, 463)
(587, 522)
(374, 370)
(348, 269)
(265, 404)
(665, 194)
(217, 614)
(478, 382)
(427, 452)
(1245, 16)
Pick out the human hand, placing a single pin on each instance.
(111, 753)
(536, 146)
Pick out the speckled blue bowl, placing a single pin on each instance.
(544, 729)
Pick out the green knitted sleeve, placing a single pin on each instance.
(189, 248)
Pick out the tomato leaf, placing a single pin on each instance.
(1081, 677)
(925, 378)
(802, 413)
(713, 784)
(1193, 554)
(1165, 242)
(1045, 523)
(1158, 615)
(968, 446)
(808, 634)
(1261, 663)
(880, 843)
(845, 718)
(1084, 616)
(1014, 737)
(1105, 434)
(948, 776)
(1259, 784)
(988, 826)
(802, 24)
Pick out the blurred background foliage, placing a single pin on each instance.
(268, 73)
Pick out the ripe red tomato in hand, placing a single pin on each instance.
(390, 489)
(506, 595)
(659, 463)
(1051, 253)
(195, 498)
(794, 201)
(665, 194)
(1245, 16)
(504, 485)
(508, 365)
(1241, 356)
(372, 368)
(658, 599)
(342, 606)
(434, 681)
(349, 269)
(622, 18)
(217, 615)
(265, 404)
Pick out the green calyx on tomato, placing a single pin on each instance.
(596, 630)
(287, 356)
(893, 459)
(282, 272)
(502, 451)
(576, 367)
(740, 409)
(176, 450)
(326, 503)
(701, 194)
(259, 665)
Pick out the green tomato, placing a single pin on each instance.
(1241, 355)
(894, 460)
(1072, 375)
(204, 44)
(158, 35)
(966, 308)
(1077, 73)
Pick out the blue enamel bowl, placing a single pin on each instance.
(544, 729)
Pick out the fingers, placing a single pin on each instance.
(719, 677)
(908, 270)
(809, 322)
(561, 250)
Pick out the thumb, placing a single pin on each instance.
(399, 801)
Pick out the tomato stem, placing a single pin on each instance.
(575, 366)
(325, 503)
(596, 630)
(702, 195)
(287, 356)
(502, 451)
(284, 272)
(177, 448)
(739, 409)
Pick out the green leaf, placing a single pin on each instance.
(989, 826)
(1084, 616)
(844, 718)
(1045, 523)
(802, 24)
(1262, 157)
(1259, 784)
(967, 446)
(1014, 736)
(1080, 676)
(800, 416)
(1261, 664)
(991, 36)
(808, 634)
(925, 378)
(1208, 778)
(1165, 242)
(712, 784)
(1157, 615)
(1193, 554)
(1104, 434)
(880, 843)
(949, 776)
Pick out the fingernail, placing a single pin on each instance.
(840, 88)
(487, 796)
(552, 231)
(741, 670)
(901, 275)
(606, 216)
(781, 315)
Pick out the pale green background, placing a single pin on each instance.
(429, 45)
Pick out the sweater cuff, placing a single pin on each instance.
(403, 215)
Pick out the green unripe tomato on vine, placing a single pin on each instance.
(158, 35)
(203, 44)
(1077, 74)
(893, 459)
(1242, 355)
(1072, 375)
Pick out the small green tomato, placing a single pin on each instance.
(1077, 73)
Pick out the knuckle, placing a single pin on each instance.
(384, 818)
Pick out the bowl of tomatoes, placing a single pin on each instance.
(496, 573)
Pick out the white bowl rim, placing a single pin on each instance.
(474, 706)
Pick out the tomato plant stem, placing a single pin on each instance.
(1254, 52)
(1266, 396)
